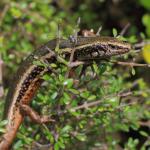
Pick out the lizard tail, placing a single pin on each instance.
(8, 137)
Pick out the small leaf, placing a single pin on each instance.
(16, 13)
(66, 129)
(145, 4)
(146, 53)
(143, 133)
(53, 65)
(132, 39)
(81, 137)
(115, 33)
(68, 82)
(143, 36)
(84, 94)
(95, 68)
(92, 97)
(46, 77)
(54, 95)
(74, 91)
(18, 144)
(56, 146)
(102, 68)
(61, 145)
(133, 71)
(3, 123)
(66, 98)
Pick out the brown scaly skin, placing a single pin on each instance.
(28, 78)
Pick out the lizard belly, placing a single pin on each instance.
(23, 95)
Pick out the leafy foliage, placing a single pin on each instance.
(102, 108)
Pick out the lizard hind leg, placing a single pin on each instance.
(33, 115)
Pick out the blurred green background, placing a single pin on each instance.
(115, 124)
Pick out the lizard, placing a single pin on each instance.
(27, 80)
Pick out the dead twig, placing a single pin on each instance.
(131, 64)
(1, 80)
(141, 44)
(6, 7)
(91, 104)
(124, 30)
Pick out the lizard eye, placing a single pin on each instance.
(112, 46)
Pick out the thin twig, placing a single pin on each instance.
(145, 123)
(40, 146)
(124, 30)
(98, 31)
(1, 80)
(91, 104)
(131, 64)
(141, 44)
(73, 39)
(3, 13)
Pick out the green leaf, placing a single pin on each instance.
(143, 133)
(102, 68)
(85, 94)
(145, 3)
(18, 144)
(46, 77)
(53, 65)
(95, 68)
(81, 137)
(54, 95)
(61, 78)
(61, 144)
(133, 71)
(16, 13)
(68, 83)
(115, 32)
(91, 97)
(3, 123)
(132, 39)
(74, 91)
(56, 146)
(146, 19)
(66, 129)
(66, 98)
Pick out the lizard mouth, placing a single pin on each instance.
(100, 51)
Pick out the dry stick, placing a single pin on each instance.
(91, 104)
(141, 44)
(124, 30)
(145, 123)
(73, 39)
(98, 31)
(131, 64)
(97, 102)
(3, 13)
(40, 146)
(1, 61)
(1, 83)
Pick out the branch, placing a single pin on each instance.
(91, 104)
(141, 44)
(1, 83)
(131, 64)
(124, 30)
(3, 13)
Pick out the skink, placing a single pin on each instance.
(28, 77)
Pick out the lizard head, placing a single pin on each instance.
(100, 47)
